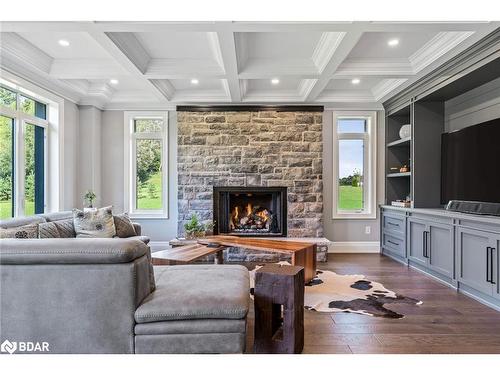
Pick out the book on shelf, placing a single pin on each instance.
(406, 204)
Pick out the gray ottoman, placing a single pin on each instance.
(194, 309)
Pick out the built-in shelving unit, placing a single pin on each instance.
(398, 154)
(422, 106)
(403, 142)
(401, 174)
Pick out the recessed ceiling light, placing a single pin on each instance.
(114, 81)
(355, 81)
(194, 81)
(393, 42)
(63, 42)
(275, 81)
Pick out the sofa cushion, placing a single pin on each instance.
(48, 230)
(123, 225)
(197, 292)
(19, 222)
(94, 223)
(23, 232)
(172, 327)
(57, 216)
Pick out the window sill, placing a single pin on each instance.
(355, 217)
(148, 217)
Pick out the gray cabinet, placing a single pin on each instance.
(431, 245)
(477, 254)
(495, 245)
(440, 251)
(416, 234)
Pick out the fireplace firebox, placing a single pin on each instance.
(250, 211)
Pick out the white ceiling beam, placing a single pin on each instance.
(227, 50)
(121, 58)
(344, 48)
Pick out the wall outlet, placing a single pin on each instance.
(368, 229)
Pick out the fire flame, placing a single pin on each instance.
(247, 216)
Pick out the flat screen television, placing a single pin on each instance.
(470, 168)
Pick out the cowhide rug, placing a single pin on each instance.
(331, 292)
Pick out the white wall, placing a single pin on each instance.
(350, 230)
(339, 230)
(89, 153)
(474, 107)
(112, 174)
(71, 119)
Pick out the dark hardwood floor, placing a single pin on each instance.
(446, 322)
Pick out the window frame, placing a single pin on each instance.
(130, 165)
(369, 138)
(21, 120)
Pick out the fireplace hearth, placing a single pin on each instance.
(250, 211)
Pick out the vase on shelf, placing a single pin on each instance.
(405, 131)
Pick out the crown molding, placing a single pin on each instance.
(58, 88)
(386, 86)
(325, 49)
(437, 47)
(17, 48)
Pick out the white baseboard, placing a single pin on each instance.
(354, 247)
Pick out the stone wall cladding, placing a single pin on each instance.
(264, 148)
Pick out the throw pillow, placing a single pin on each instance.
(48, 230)
(26, 231)
(65, 228)
(94, 224)
(123, 225)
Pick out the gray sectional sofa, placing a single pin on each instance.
(94, 295)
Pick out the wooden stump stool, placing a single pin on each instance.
(279, 309)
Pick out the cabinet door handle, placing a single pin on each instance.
(394, 243)
(492, 249)
(488, 264)
(425, 250)
(393, 224)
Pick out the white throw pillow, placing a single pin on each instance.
(94, 224)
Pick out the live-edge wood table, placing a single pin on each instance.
(302, 253)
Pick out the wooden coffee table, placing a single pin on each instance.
(302, 253)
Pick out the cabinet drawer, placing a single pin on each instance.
(394, 244)
(395, 224)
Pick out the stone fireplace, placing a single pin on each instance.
(252, 149)
(250, 211)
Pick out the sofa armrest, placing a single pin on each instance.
(71, 251)
(138, 228)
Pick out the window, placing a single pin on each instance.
(146, 164)
(354, 164)
(23, 125)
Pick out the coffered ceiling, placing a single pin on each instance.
(133, 65)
